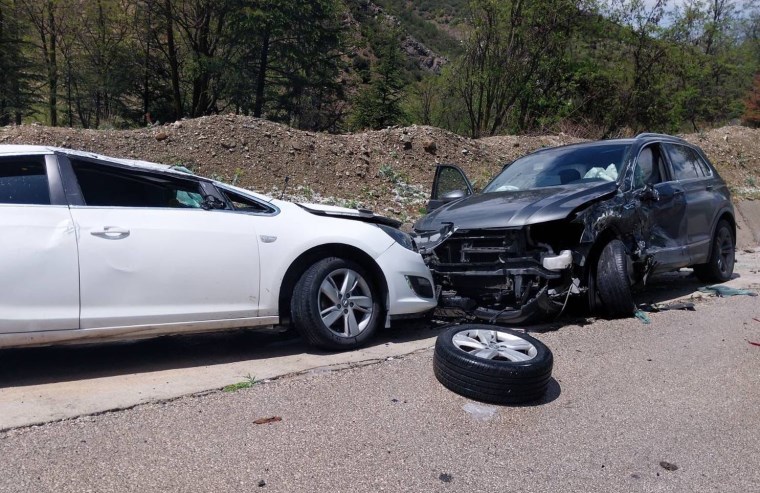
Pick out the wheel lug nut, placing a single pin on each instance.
(345, 312)
(352, 304)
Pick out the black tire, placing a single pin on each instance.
(720, 266)
(497, 381)
(309, 302)
(613, 282)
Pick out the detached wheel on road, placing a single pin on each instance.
(613, 281)
(492, 364)
(336, 305)
(720, 266)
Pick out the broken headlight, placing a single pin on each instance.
(401, 238)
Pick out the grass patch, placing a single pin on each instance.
(245, 384)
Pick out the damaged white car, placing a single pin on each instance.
(96, 248)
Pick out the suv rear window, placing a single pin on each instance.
(686, 162)
(24, 181)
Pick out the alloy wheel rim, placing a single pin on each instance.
(494, 345)
(725, 247)
(345, 302)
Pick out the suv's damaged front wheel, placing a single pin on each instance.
(613, 281)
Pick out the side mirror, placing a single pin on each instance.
(453, 195)
(450, 184)
(649, 193)
(210, 203)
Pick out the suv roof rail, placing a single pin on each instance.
(652, 134)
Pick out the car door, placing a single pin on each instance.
(699, 189)
(149, 253)
(664, 209)
(38, 248)
(450, 183)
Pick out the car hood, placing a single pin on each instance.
(514, 208)
(363, 215)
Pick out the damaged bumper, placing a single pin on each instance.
(497, 275)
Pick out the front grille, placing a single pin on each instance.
(493, 246)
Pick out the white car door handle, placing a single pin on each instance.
(111, 233)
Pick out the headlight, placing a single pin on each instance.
(401, 238)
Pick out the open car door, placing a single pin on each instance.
(450, 184)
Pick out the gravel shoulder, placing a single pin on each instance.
(626, 397)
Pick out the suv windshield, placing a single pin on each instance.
(569, 165)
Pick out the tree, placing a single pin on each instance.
(43, 15)
(379, 105)
(752, 105)
(15, 85)
(510, 54)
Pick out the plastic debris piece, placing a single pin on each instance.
(263, 421)
(480, 412)
(668, 466)
(754, 343)
(756, 319)
(722, 291)
(642, 316)
(661, 307)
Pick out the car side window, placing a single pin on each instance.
(650, 167)
(245, 204)
(703, 167)
(686, 162)
(24, 181)
(111, 186)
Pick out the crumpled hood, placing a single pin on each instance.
(514, 208)
(363, 215)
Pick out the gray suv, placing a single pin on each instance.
(594, 219)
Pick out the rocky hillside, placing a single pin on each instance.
(389, 171)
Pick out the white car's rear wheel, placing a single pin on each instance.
(336, 304)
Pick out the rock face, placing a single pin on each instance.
(389, 171)
(423, 56)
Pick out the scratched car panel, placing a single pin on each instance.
(534, 237)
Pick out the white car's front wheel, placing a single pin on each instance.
(336, 304)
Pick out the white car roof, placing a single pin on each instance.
(14, 150)
(19, 150)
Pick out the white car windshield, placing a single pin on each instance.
(570, 165)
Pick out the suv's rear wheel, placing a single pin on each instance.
(720, 266)
(336, 305)
(613, 280)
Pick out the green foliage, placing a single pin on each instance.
(16, 82)
(591, 67)
(380, 104)
(752, 105)
(249, 382)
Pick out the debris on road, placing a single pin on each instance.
(264, 421)
(481, 412)
(446, 478)
(754, 343)
(642, 316)
(668, 466)
(724, 291)
(661, 307)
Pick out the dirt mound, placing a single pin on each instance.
(389, 171)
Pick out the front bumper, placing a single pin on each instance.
(400, 267)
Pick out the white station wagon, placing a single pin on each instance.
(95, 248)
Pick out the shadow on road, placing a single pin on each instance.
(34, 366)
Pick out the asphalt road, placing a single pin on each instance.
(626, 397)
